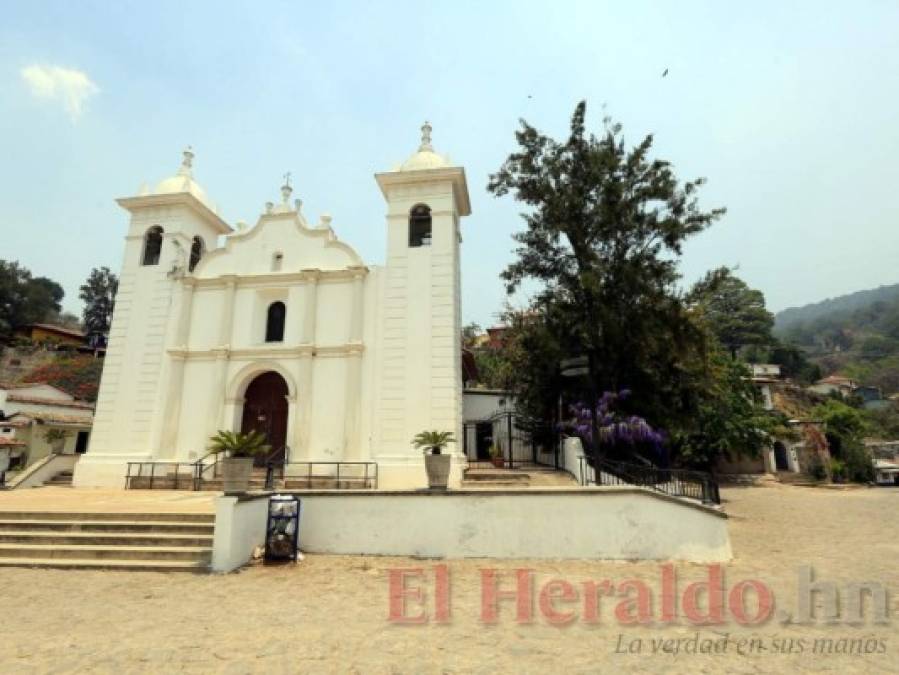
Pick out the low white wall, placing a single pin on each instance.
(572, 451)
(593, 523)
(239, 529)
(35, 474)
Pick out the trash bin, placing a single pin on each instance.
(282, 532)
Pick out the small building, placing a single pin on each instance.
(831, 384)
(885, 472)
(764, 377)
(487, 414)
(29, 411)
(59, 338)
(45, 333)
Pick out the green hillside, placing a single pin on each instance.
(855, 335)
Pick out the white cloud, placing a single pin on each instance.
(53, 83)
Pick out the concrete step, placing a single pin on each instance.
(107, 526)
(61, 478)
(498, 475)
(217, 484)
(104, 538)
(199, 554)
(88, 516)
(494, 483)
(106, 564)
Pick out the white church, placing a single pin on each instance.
(282, 327)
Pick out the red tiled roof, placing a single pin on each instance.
(19, 422)
(58, 329)
(58, 418)
(35, 400)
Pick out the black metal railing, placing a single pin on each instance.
(163, 475)
(323, 475)
(696, 485)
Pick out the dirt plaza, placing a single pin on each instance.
(332, 613)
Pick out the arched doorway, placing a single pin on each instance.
(265, 410)
(780, 457)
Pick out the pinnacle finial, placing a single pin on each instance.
(426, 137)
(187, 162)
(286, 190)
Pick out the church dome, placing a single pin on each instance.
(425, 158)
(183, 181)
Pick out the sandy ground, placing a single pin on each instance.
(330, 613)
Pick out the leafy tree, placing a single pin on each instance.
(793, 362)
(735, 313)
(470, 333)
(728, 419)
(98, 293)
(65, 320)
(844, 429)
(25, 299)
(878, 346)
(604, 233)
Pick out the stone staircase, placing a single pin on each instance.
(62, 479)
(119, 541)
(495, 478)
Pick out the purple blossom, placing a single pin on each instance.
(615, 429)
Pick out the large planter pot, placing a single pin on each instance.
(236, 472)
(437, 468)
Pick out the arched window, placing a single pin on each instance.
(152, 246)
(197, 249)
(274, 323)
(420, 226)
(277, 260)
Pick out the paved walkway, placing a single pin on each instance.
(97, 500)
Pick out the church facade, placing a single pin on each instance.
(284, 329)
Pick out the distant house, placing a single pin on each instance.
(764, 377)
(831, 384)
(45, 333)
(62, 338)
(886, 472)
(29, 411)
(872, 398)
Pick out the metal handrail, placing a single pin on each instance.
(136, 470)
(672, 482)
(369, 477)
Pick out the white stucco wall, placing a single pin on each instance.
(590, 523)
(239, 529)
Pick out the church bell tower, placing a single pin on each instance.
(420, 366)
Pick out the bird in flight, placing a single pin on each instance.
(665, 73)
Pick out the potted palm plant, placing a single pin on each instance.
(237, 466)
(437, 465)
(496, 455)
(56, 438)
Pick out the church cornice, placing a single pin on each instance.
(348, 349)
(389, 180)
(279, 278)
(133, 204)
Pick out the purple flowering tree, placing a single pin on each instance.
(619, 434)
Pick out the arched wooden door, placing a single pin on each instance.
(265, 410)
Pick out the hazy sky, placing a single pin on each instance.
(791, 110)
